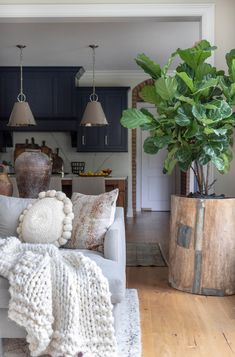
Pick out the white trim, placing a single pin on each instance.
(64, 11)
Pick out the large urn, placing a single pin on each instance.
(6, 187)
(33, 171)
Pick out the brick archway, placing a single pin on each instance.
(184, 177)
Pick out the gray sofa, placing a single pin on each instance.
(112, 263)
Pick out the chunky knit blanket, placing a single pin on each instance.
(60, 297)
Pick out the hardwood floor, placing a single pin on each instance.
(173, 323)
(149, 227)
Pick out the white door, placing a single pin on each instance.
(156, 187)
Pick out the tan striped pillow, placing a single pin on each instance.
(93, 215)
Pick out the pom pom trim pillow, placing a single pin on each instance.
(93, 215)
(47, 220)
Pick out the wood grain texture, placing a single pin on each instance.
(207, 266)
(176, 324)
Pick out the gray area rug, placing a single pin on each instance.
(144, 254)
(128, 334)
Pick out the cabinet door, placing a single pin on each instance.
(90, 139)
(111, 138)
(115, 134)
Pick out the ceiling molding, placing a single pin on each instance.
(76, 12)
(110, 12)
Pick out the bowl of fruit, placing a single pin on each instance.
(101, 173)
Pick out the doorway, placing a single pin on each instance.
(154, 189)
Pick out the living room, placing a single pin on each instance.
(175, 26)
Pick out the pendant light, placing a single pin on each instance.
(93, 114)
(21, 114)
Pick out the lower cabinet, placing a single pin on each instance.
(111, 138)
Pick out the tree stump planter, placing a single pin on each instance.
(202, 245)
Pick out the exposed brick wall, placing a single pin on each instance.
(184, 181)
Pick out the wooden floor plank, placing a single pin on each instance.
(177, 324)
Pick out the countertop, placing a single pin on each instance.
(69, 177)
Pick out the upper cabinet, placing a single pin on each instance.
(50, 91)
(111, 138)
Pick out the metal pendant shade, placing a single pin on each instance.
(21, 114)
(94, 114)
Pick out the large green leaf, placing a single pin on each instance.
(170, 161)
(196, 55)
(186, 99)
(149, 146)
(192, 130)
(150, 67)
(199, 111)
(223, 110)
(182, 118)
(219, 163)
(133, 118)
(212, 149)
(184, 153)
(166, 87)
(187, 80)
(206, 84)
(149, 94)
(203, 70)
(230, 58)
(203, 159)
(161, 141)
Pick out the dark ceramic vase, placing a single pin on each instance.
(6, 187)
(33, 171)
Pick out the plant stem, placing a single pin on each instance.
(200, 179)
(196, 175)
(207, 179)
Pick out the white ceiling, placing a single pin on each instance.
(66, 44)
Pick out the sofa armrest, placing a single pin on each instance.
(115, 240)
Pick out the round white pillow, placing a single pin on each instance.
(47, 220)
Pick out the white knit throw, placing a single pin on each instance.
(60, 297)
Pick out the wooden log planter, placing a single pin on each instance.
(202, 245)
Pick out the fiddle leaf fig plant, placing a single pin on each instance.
(194, 118)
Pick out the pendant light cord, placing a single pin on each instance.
(93, 96)
(93, 70)
(21, 96)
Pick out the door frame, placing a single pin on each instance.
(104, 12)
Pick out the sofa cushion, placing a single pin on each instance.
(47, 220)
(93, 215)
(110, 269)
(10, 210)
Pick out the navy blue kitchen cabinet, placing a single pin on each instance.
(111, 138)
(50, 91)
